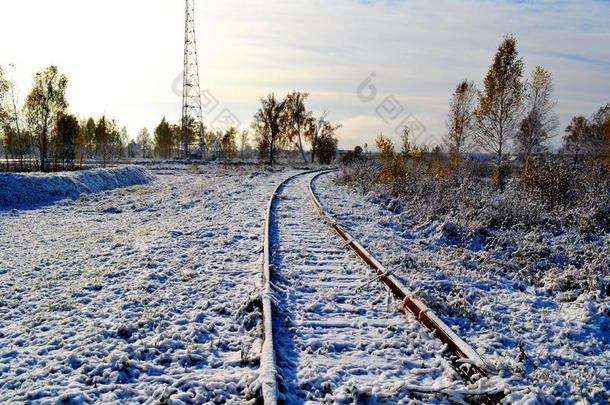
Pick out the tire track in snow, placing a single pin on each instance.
(339, 337)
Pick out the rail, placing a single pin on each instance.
(470, 363)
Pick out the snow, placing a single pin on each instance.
(146, 294)
(23, 190)
(136, 285)
(549, 344)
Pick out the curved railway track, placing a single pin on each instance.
(332, 332)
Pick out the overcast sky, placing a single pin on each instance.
(122, 56)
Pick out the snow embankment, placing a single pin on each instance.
(18, 190)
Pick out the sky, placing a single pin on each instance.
(374, 66)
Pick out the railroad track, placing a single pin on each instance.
(332, 332)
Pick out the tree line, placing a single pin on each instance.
(204, 143)
(523, 186)
(40, 133)
(288, 124)
(279, 127)
(514, 115)
(509, 117)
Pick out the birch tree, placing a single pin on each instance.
(498, 113)
(540, 122)
(44, 104)
(144, 142)
(459, 122)
(14, 117)
(243, 141)
(3, 92)
(267, 126)
(295, 119)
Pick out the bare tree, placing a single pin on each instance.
(267, 126)
(315, 129)
(540, 122)
(607, 141)
(11, 115)
(16, 118)
(577, 139)
(144, 142)
(210, 143)
(3, 113)
(123, 141)
(3, 91)
(459, 122)
(601, 127)
(498, 114)
(600, 122)
(243, 141)
(46, 101)
(588, 138)
(296, 118)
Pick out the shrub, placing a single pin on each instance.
(346, 158)
(326, 148)
(394, 169)
(499, 174)
(360, 176)
(351, 157)
(551, 182)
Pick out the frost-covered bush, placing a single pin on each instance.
(579, 198)
(545, 193)
(360, 175)
(546, 200)
(551, 182)
(499, 174)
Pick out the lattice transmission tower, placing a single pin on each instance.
(192, 111)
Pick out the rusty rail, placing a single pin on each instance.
(470, 363)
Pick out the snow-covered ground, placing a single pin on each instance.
(149, 294)
(550, 345)
(137, 294)
(35, 189)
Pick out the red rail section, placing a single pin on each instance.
(470, 361)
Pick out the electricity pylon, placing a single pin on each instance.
(192, 112)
